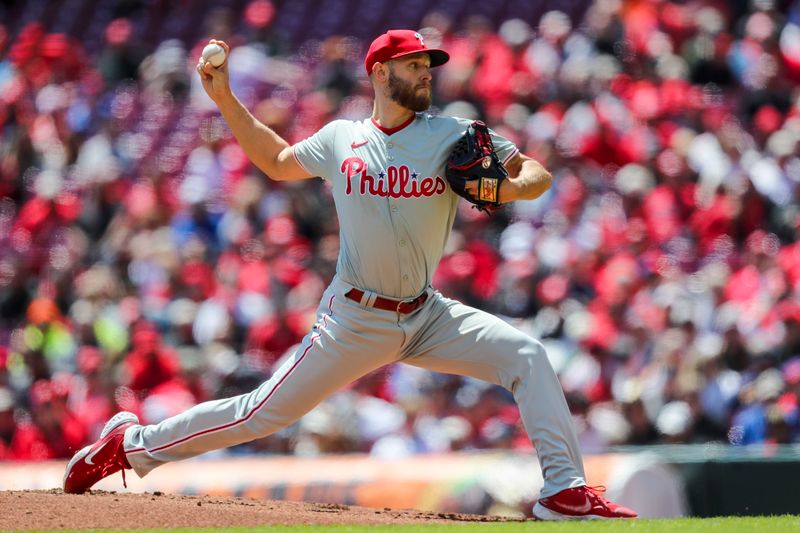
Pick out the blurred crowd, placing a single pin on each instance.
(145, 265)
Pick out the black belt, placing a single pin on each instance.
(388, 304)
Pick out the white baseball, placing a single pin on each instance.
(214, 54)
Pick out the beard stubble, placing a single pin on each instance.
(405, 94)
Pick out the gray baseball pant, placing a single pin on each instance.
(349, 340)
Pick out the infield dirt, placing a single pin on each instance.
(53, 510)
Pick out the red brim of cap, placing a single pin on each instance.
(438, 57)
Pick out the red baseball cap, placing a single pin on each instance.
(399, 43)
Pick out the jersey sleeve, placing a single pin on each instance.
(504, 148)
(315, 154)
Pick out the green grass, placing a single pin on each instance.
(772, 524)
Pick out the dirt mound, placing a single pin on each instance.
(50, 510)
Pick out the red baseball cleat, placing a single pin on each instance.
(579, 503)
(101, 459)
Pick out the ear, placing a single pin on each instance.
(380, 72)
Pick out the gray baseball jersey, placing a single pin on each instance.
(395, 212)
(395, 208)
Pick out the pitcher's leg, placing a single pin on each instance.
(333, 355)
(461, 340)
(296, 387)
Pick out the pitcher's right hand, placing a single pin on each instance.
(215, 79)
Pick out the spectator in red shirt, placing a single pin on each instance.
(91, 394)
(20, 439)
(150, 362)
(59, 428)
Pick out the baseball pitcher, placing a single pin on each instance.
(395, 177)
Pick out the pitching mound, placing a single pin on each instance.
(102, 510)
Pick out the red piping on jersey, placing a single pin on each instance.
(509, 156)
(298, 160)
(389, 131)
(252, 411)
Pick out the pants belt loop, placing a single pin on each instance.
(369, 298)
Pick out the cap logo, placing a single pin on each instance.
(419, 36)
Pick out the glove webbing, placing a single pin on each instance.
(483, 142)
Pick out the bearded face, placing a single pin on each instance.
(414, 97)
